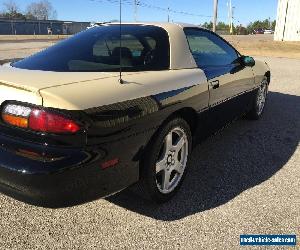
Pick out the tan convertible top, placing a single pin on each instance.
(180, 57)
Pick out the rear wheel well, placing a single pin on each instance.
(190, 116)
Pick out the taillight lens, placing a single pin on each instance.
(38, 119)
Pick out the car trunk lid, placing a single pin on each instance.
(24, 85)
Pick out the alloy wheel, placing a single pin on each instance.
(172, 160)
(261, 97)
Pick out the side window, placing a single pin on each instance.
(208, 49)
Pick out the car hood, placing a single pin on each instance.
(35, 80)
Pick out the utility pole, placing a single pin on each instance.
(230, 16)
(215, 15)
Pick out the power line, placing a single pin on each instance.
(172, 10)
(150, 6)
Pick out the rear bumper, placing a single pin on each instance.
(57, 177)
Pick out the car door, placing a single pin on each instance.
(228, 79)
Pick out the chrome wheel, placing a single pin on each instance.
(261, 97)
(172, 160)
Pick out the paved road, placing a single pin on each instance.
(243, 180)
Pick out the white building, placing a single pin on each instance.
(288, 21)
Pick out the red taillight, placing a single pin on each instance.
(43, 121)
(38, 119)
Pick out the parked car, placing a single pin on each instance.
(74, 127)
(92, 25)
(96, 24)
(258, 31)
(268, 32)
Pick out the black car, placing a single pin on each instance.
(95, 114)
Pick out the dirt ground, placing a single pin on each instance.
(7, 38)
(264, 45)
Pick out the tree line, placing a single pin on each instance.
(40, 10)
(240, 29)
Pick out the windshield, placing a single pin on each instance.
(98, 49)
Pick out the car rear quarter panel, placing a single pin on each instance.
(126, 115)
(96, 93)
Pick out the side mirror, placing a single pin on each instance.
(248, 61)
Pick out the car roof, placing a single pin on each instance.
(180, 54)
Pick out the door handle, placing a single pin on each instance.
(215, 84)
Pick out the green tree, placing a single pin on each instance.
(265, 24)
(273, 25)
(222, 27)
(207, 25)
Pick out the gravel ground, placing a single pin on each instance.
(243, 180)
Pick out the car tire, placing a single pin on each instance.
(258, 105)
(165, 161)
